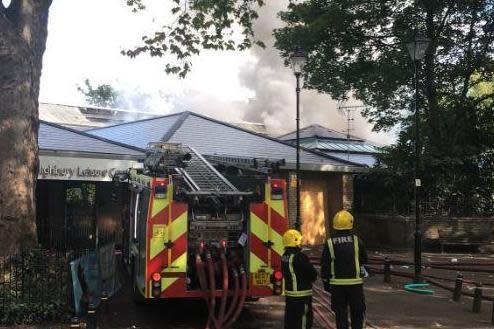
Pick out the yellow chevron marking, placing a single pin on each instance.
(259, 228)
(257, 264)
(158, 205)
(279, 207)
(179, 265)
(157, 243)
(178, 227)
(167, 282)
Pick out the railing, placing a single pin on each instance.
(34, 286)
(428, 207)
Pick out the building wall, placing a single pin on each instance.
(347, 182)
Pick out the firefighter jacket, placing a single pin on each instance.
(342, 258)
(298, 273)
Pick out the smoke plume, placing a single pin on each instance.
(274, 86)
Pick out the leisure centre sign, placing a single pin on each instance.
(85, 169)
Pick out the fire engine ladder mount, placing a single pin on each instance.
(260, 165)
(202, 177)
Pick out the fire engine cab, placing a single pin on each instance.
(200, 231)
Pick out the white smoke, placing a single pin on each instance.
(274, 86)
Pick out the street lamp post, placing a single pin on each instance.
(417, 49)
(297, 61)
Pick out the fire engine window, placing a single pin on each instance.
(135, 214)
(142, 207)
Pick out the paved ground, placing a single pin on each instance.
(389, 306)
(164, 314)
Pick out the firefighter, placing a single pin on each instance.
(298, 275)
(342, 272)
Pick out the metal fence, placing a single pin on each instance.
(381, 197)
(35, 286)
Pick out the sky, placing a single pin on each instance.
(85, 38)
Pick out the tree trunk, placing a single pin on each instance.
(23, 33)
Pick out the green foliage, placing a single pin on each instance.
(103, 95)
(358, 48)
(200, 25)
(21, 313)
(34, 288)
(106, 95)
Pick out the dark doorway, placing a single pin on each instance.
(77, 215)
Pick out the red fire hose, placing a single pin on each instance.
(224, 267)
(203, 285)
(212, 290)
(241, 302)
(235, 298)
(207, 284)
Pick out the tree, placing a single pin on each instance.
(23, 32)
(106, 95)
(357, 48)
(354, 46)
(103, 95)
(200, 25)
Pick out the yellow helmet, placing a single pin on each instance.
(292, 238)
(343, 220)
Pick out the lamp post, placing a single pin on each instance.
(297, 61)
(417, 49)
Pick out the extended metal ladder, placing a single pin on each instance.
(202, 176)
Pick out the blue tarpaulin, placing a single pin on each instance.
(91, 275)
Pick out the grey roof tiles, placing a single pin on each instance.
(211, 137)
(57, 138)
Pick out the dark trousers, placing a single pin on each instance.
(298, 312)
(344, 296)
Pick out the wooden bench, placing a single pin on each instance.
(475, 237)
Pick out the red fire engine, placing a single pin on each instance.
(193, 233)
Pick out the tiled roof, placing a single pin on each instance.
(316, 130)
(87, 117)
(368, 160)
(58, 138)
(325, 145)
(211, 137)
(139, 133)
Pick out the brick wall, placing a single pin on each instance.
(292, 198)
(347, 181)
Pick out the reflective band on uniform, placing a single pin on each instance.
(292, 273)
(300, 293)
(304, 318)
(357, 263)
(345, 282)
(331, 252)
